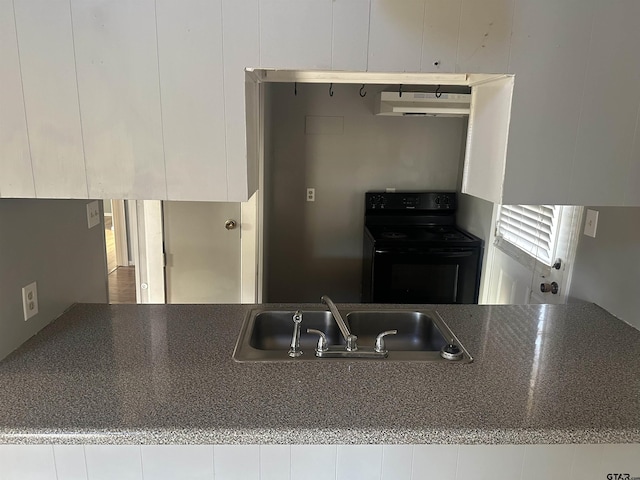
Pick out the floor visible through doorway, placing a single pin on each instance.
(122, 280)
(122, 285)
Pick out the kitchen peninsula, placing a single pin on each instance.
(164, 374)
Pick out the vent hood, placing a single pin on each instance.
(423, 104)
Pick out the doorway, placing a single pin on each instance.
(194, 252)
(120, 267)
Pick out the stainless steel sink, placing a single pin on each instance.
(272, 330)
(266, 334)
(417, 331)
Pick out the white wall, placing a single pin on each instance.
(47, 241)
(607, 267)
(319, 462)
(339, 147)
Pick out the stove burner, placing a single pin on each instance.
(393, 235)
(453, 236)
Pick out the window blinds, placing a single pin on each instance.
(531, 228)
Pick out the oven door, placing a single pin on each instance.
(428, 275)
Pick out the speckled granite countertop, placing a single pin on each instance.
(164, 374)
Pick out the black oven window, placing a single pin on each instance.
(437, 283)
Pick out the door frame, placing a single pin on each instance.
(119, 220)
(148, 250)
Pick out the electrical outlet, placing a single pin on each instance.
(93, 214)
(30, 300)
(591, 223)
(311, 194)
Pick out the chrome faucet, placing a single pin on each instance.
(295, 351)
(344, 329)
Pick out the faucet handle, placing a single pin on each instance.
(322, 340)
(379, 348)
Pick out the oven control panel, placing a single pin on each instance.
(410, 201)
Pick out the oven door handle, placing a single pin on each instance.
(440, 253)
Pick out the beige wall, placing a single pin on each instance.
(315, 248)
(46, 241)
(607, 268)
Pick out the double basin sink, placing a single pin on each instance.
(422, 335)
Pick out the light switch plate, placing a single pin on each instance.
(93, 214)
(591, 223)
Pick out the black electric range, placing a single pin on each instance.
(415, 253)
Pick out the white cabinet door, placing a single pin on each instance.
(241, 50)
(549, 55)
(609, 108)
(350, 41)
(487, 133)
(485, 34)
(16, 175)
(51, 97)
(395, 39)
(193, 98)
(295, 34)
(440, 36)
(118, 82)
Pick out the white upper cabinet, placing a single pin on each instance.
(51, 97)
(604, 159)
(295, 34)
(549, 55)
(395, 35)
(350, 35)
(148, 99)
(573, 134)
(440, 35)
(16, 175)
(118, 82)
(485, 35)
(241, 50)
(192, 91)
(487, 133)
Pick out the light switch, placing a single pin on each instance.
(93, 214)
(591, 223)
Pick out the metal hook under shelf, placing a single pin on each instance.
(362, 92)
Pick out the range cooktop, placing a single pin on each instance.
(406, 234)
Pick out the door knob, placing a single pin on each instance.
(230, 224)
(549, 287)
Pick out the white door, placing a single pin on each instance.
(202, 248)
(518, 277)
